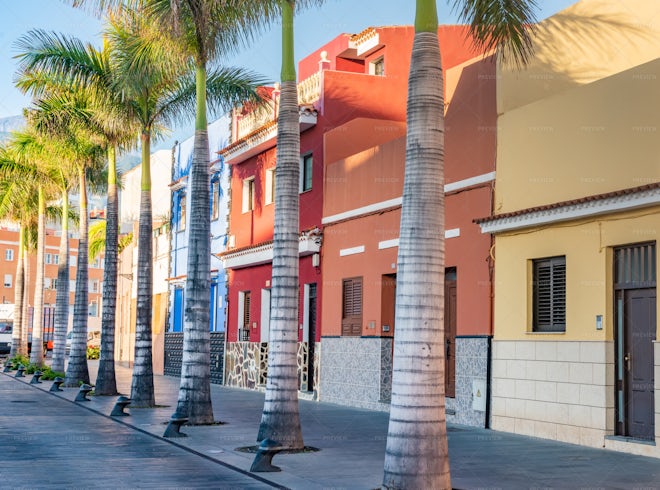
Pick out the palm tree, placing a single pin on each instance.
(416, 453)
(202, 30)
(17, 204)
(51, 61)
(280, 420)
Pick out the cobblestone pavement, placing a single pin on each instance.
(48, 441)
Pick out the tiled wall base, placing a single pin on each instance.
(560, 390)
(471, 372)
(247, 367)
(357, 371)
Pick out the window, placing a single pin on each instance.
(377, 67)
(351, 317)
(73, 260)
(72, 285)
(95, 264)
(93, 286)
(270, 186)
(549, 291)
(47, 283)
(181, 213)
(56, 259)
(306, 173)
(244, 316)
(8, 280)
(93, 309)
(248, 194)
(9, 255)
(215, 200)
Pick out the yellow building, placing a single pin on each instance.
(576, 220)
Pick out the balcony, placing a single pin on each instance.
(309, 91)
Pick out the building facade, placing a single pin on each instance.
(129, 211)
(9, 257)
(576, 219)
(352, 120)
(364, 169)
(180, 185)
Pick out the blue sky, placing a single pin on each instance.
(313, 28)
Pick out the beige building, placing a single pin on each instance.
(129, 204)
(576, 220)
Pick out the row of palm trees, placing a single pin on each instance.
(159, 64)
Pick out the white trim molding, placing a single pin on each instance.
(263, 254)
(624, 201)
(388, 244)
(469, 182)
(397, 201)
(371, 208)
(351, 251)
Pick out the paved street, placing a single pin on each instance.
(50, 442)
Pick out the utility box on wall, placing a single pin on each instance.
(479, 395)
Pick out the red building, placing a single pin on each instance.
(352, 122)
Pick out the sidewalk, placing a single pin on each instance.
(352, 445)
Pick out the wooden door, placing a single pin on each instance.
(450, 333)
(635, 331)
(388, 304)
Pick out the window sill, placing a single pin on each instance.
(545, 333)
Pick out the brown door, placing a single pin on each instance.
(388, 304)
(312, 336)
(450, 333)
(635, 322)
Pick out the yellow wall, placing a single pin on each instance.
(590, 140)
(587, 247)
(588, 41)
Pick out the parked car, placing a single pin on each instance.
(5, 337)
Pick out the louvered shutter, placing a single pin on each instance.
(550, 295)
(351, 323)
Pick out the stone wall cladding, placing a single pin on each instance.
(352, 371)
(471, 365)
(247, 366)
(243, 364)
(561, 390)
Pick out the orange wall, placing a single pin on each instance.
(9, 240)
(371, 265)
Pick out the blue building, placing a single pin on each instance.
(182, 154)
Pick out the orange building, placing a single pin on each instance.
(364, 168)
(9, 256)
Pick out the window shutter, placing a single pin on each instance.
(550, 294)
(352, 307)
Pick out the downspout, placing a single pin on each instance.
(491, 315)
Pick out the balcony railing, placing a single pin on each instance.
(309, 91)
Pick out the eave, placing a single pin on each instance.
(586, 207)
(308, 244)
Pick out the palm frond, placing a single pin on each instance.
(503, 24)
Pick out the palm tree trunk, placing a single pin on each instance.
(77, 369)
(25, 317)
(62, 296)
(37, 353)
(280, 420)
(416, 453)
(195, 389)
(19, 287)
(142, 384)
(106, 383)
